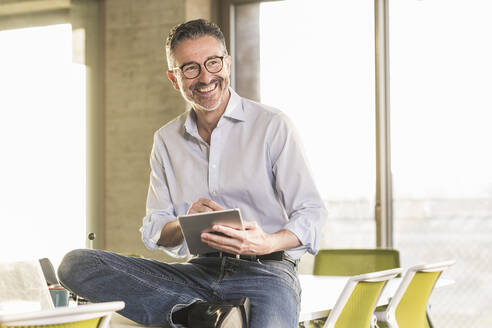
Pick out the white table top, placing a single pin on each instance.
(319, 295)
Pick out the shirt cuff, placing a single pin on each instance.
(151, 232)
(309, 232)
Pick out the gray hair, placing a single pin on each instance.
(193, 29)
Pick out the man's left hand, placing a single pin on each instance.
(251, 241)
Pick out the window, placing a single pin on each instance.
(42, 137)
(441, 111)
(319, 69)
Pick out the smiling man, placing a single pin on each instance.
(225, 152)
(207, 90)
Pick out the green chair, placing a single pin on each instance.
(409, 306)
(96, 315)
(355, 305)
(349, 262)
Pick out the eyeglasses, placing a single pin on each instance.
(192, 70)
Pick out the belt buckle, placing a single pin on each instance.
(291, 260)
(224, 254)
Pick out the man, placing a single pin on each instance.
(226, 152)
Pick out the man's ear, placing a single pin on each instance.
(172, 78)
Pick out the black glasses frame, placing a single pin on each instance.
(200, 67)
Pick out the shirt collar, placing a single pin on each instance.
(190, 123)
(234, 108)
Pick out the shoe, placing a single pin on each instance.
(228, 314)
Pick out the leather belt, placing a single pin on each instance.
(275, 256)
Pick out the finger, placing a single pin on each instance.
(204, 205)
(224, 240)
(211, 204)
(216, 238)
(230, 232)
(224, 244)
(222, 248)
(198, 208)
(249, 225)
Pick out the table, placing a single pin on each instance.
(320, 293)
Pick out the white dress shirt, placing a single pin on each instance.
(254, 162)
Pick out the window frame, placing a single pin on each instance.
(383, 208)
(86, 15)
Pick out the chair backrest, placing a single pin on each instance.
(96, 315)
(408, 307)
(355, 305)
(349, 262)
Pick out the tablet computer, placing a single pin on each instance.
(193, 225)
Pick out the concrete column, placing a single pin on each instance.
(138, 100)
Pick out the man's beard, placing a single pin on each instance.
(222, 85)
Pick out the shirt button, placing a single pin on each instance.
(214, 166)
(214, 192)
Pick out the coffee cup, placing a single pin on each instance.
(59, 295)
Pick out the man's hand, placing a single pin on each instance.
(204, 205)
(172, 235)
(251, 241)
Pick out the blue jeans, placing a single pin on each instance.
(153, 290)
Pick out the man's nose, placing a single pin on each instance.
(205, 76)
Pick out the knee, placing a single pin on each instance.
(72, 266)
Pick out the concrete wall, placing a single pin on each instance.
(138, 100)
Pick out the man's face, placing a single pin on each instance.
(208, 91)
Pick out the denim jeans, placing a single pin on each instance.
(153, 290)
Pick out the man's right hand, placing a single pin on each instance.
(171, 234)
(204, 205)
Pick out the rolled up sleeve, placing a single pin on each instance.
(306, 212)
(159, 208)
